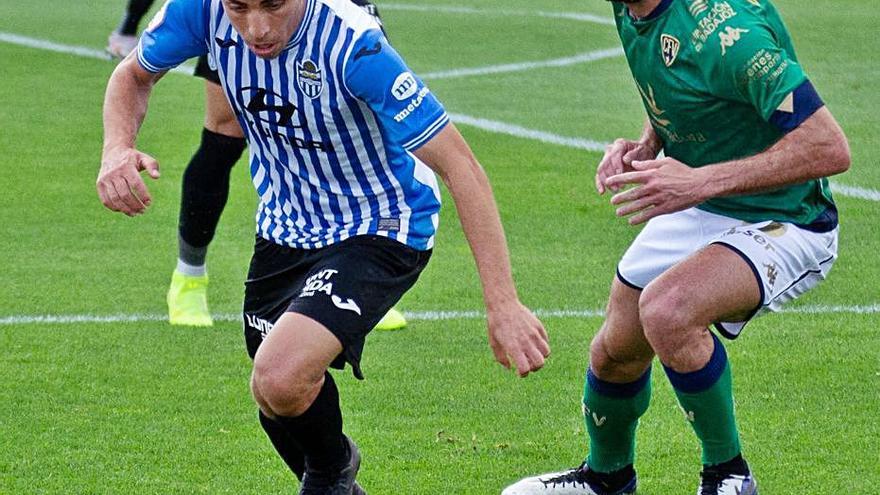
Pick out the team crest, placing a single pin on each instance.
(669, 45)
(308, 76)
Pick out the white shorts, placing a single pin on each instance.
(787, 260)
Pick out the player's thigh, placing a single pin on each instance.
(620, 352)
(219, 116)
(716, 283)
(298, 349)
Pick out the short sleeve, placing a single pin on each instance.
(752, 67)
(376, 74)
(177, 33)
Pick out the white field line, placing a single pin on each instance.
(524, 66)
(523, 132)
(80, 51)
(451, 9)
(481, 123)
(855, 192)
(410, 315)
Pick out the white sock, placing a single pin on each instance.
(191, 270)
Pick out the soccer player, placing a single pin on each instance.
(740, 220)
(205, 185)
(343, 140)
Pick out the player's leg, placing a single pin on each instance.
(204, 192)
(714, 284)
(617, 392)
(124, 38)
(326, 310)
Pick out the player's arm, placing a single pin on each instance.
(176, 33)
(515, 334)
(816, 148)
(412, 116)
(812, 144)
(119, 184)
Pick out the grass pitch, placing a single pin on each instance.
(142, 407)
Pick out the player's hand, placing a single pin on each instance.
(663, 186)
(518, 338)
(120, 185)
(618, 159)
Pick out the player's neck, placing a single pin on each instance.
(643, 8)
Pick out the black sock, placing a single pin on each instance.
(284, 445)
(133, 14)
(318, 431)
(205, 188)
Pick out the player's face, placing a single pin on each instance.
(266, 25)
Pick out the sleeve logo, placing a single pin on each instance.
(729, 37)
(405, 86)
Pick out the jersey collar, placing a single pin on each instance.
(303, 25)
(657, 12)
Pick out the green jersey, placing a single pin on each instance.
(712, 75)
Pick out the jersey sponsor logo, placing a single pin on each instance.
(308, 77)
(413, 105)
(729, 37)
(663, 125)
(159, 18)
(366, 52)
(721, 12)
(654, 111)
(762, 63)
(259, 106)
(669, 45)
(270, 111)
(697, 7)
(321, 283)
(404, 86)
(225, 43)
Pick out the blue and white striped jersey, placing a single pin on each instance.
(331, 122)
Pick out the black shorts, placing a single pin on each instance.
(347, 287)
(204, 70)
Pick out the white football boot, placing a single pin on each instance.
(715, 483)
(578, 481)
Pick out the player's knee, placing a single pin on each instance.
(283, 392)
(665, 317)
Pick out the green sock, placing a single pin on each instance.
(706, 396)
(611, 413)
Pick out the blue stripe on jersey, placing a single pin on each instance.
(349, 149)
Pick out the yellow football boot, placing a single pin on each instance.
(188, 301)
(393, 320)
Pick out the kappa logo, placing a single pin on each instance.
(772, 273)
(729, 37)
(669, 46)
(308, 77)
(404, 86)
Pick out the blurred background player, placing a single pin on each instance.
(205, 185)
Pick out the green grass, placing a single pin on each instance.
(149, 408)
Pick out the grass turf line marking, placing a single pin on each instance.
(81, 51)
(480, 123)
(821, 309)
(524, 66)
(451, 9)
